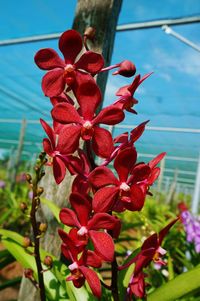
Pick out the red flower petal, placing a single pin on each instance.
(137, 132)
(154, 175)
(102, 142)
(68, 140)
(123, 91)
(84, 160)
(151, 242)
(122, 138)
(65, 113)
(48, 59)
(93, 260)
(165, 230)
(109, 115)
(82, 207)
(124, 162)
(131, 88)
(92, 280)
(80, 185)
(91, 62)
(105, 198)
(137, 285)
(70, 44)
(59, 169)
(47, 147)
(49, 132)
(102, 221)
(102, 176)
(156, 160)
(53, 83)
(137, 198)
(103, 244)
(140, 172)
(87, 93)
(65, 251)
(69, 218)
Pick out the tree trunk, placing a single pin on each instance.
(103, 16)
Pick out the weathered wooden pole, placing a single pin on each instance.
(103, 16)
(18, 154)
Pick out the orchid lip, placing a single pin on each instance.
(124, 187)
(82, 231)
(73, 266)
(87, 125)
(69, 68)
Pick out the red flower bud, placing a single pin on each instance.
(48, 261)
(126, 68)
(28, 273)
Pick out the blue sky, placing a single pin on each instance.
(169, 98)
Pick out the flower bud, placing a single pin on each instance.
(23, 206)
(28, 178)
(90, 33)
(43, 227)
(26, 242)
(40, 190)
(28, 273)
(126, 68)
(48, 261)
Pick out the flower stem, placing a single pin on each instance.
(114, 284)
(36, 237)
(89, 154)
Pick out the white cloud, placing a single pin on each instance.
(187, 62)
(165, 76)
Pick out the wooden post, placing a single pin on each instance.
(102, 15)
(18, 154)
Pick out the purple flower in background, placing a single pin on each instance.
(30, 194)
(2, 184)
(191, 225)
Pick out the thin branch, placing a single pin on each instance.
(36, 234)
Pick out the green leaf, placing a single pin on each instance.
(5, 215)
(13, 235)
(53, 289)
(56, 278)
(5, 258)
(177, 287)
(53, 208)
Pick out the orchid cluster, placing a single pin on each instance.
(191, 225)
(98, 194)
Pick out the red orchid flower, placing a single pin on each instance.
(59, 152)
(65, 72)
(125, 192)
(79, 267)
(151, 250)
(153, 175)
(88, 227)
(125, 141)
(84, 125)
(127, 100)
